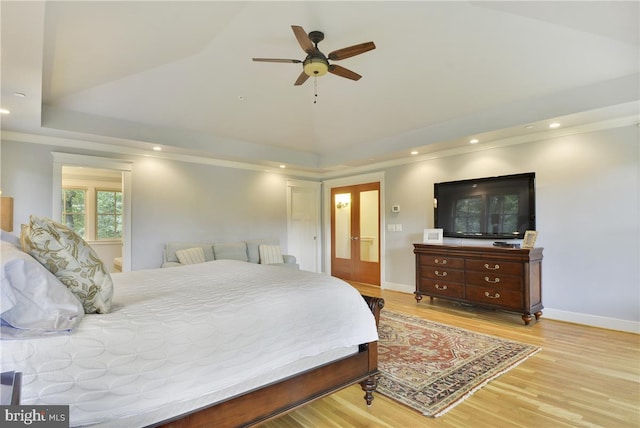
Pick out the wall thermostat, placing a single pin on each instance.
(395, 208)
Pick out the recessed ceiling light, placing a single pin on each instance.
(19, 94)
(474, 141)
(283, 166)
(554, 125)
(4, 111)
(157, 148)
(413, 153)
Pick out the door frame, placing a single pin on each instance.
(326, 211)
(125, 167)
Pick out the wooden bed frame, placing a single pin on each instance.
(278, 398)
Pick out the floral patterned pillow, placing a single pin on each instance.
(71, 260)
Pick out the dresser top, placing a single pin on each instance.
(479, 251)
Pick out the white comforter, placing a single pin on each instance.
(180, 334)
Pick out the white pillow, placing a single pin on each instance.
(270, 254)
(34, 301)
(12, 239)
(191, 256)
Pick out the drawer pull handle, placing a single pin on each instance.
(441, 287)
(495, 267)
(440, 262)
(440, 273)
(495, 281)
(495, 296)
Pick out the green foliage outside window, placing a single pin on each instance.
(73, 210)
(108, 214)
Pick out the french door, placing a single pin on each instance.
(355, 233)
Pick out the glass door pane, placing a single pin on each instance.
(369, 226)
(342, 207)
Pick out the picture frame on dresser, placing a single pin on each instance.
(433, 236)
(530, 237)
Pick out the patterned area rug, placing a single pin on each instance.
(432, 367)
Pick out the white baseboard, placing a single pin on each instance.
(403, 288)
(592, 320)
(555, 314)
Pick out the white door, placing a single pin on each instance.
(303, 221)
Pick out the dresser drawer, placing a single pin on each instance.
(491, 279)
(440, 273)
(496, 297)
(432, 287)
(495, 266)
(441, 261)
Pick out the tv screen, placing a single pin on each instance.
(491, 208)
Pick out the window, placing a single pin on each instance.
(73, 209)
(94, 214)
(108, 214)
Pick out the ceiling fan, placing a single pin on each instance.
(316, 63)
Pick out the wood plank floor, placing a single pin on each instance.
(583, 377)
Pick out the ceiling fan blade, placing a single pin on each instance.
(351, 51)
(305, 42)
(295, 61)
(301, 79)
(343, 72)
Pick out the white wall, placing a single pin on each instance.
(588, 217)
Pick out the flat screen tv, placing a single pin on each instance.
(501, 207)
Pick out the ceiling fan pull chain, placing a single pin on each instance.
(315, 90)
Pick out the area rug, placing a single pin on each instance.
(432, 367)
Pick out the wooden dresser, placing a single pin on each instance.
(502, 278)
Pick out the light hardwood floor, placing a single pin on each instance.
(583, 377)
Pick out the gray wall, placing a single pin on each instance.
(171, 200)
(26, 173)
(588, 215)
(176, 201)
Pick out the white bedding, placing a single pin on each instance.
(183, 337)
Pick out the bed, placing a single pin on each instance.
(221, 343)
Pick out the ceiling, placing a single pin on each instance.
(126, 76)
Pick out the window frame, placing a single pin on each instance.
(84, 211)
(114, 214)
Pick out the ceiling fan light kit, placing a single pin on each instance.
(315, 66)
(316, 63)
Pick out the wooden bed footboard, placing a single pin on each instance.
(278, 398)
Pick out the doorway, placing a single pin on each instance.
(122, 167)
(92, 207)
(355, 233)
